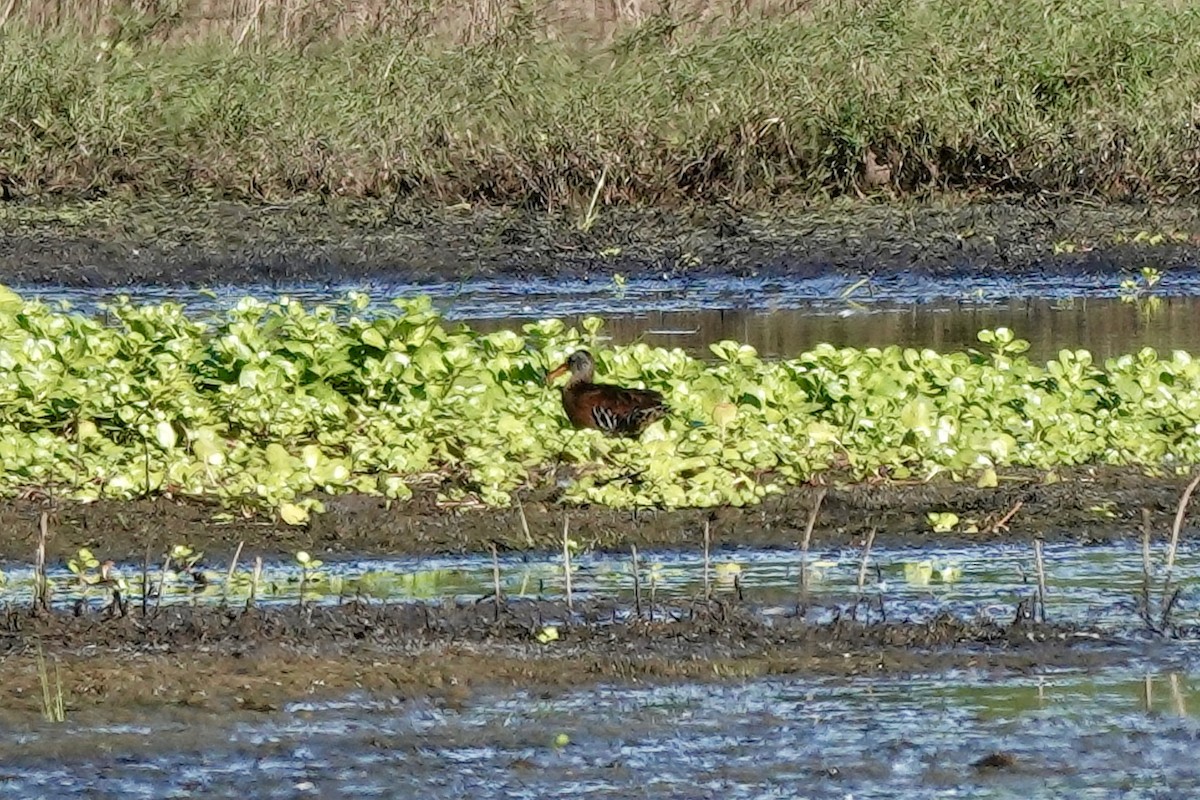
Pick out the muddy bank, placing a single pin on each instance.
(1082, 505)
(222, 660)
(121, 242)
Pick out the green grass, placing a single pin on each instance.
(1088, 97)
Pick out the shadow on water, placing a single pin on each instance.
(1118, 733)
(780, 316)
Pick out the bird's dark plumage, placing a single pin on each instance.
(614, 410)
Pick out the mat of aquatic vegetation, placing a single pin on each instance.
(1083, 505)
(229, 659)
(267, 404)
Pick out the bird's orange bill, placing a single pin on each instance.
(556, 372)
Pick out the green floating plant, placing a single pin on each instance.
(268, 405)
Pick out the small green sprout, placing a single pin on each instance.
(185, 556)
(548, 634)
(308, 564)
(921, 573)
(308, 570)
(1140, 290)
(942, 521)
(82, 565)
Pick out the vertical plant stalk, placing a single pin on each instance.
(145, 466)
(862, 568)
(303, 583)
(567, 561)
(1147, 570)
(255, 577)
(1040, 563)
(78, 435)
(808, 529)
(1177, 701)
(1180, 512)
(41, 589)
(524, 522)
(707, 561)
(496, 599)
(8, 10)
(162, 582)
(637, 583)
(232, 568)
(146, 582)
(252, 22)
(53, 707)
(654, 590)
(589, 218)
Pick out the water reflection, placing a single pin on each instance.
(1106, 327)
(779, 317)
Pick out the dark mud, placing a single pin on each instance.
(1081, 505)
(224, 660)
(122, 242)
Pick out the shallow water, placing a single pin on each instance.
(779, 316)
(1116, 733)
(1095, 585)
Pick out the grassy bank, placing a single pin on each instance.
(915, 96)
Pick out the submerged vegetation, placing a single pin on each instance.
(1091, 97)
(266, 405)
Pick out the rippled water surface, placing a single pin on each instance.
(1114, 734)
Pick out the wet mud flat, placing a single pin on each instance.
(228, 656)
(1083, 505)
(122, 242)
(257, 659)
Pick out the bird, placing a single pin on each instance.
(615, 410)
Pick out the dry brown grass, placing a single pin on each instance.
(306, 21)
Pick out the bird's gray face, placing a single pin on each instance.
(580, 362)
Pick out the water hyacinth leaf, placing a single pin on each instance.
(164, 433)
(723, 414)
(10, 301)
(372, 337)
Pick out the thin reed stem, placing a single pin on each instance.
(808, 530)
(1040, 563)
